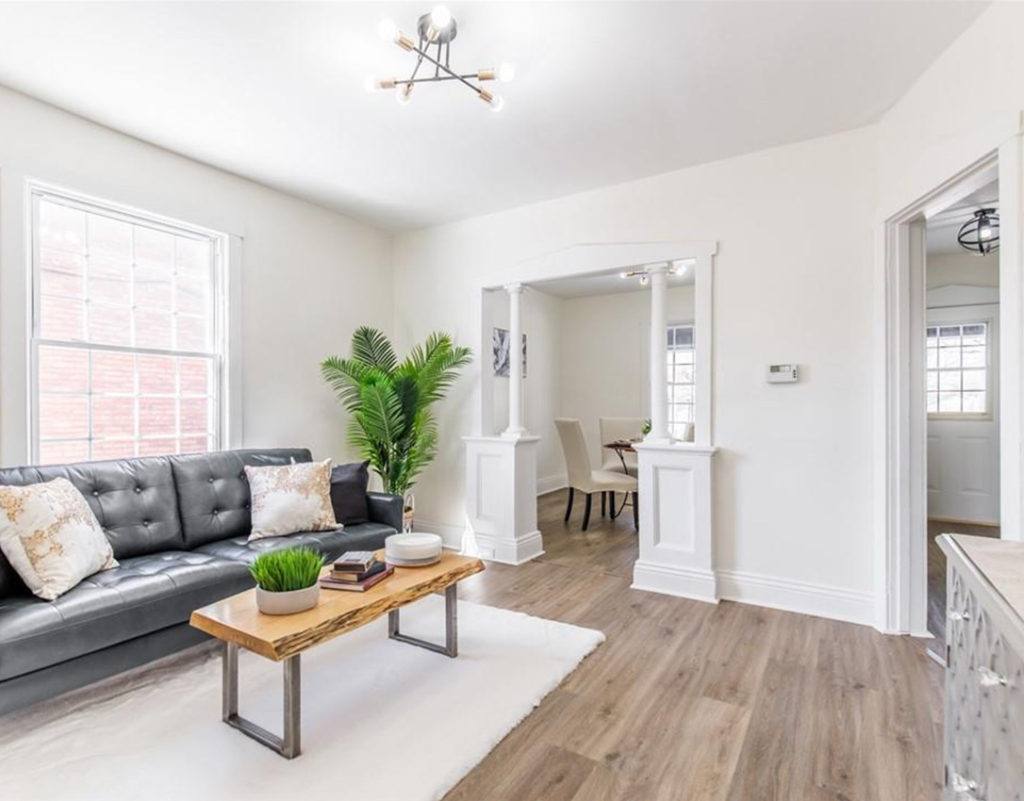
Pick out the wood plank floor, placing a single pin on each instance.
(688, 701)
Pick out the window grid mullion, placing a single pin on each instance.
(212, 394)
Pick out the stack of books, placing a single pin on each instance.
(356, 571)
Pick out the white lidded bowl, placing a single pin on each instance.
(287, 603)
(416, 547)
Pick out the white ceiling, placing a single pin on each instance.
(605, 92)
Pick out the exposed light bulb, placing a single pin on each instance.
(387, 30)
(370, 84)
(497, 103)
(506, 71)
(404, 94)
(440, 17)
(985, 232)
(623, 275)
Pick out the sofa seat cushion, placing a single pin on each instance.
(143, 594)
(332, 544)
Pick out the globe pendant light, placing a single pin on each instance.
(980, 234)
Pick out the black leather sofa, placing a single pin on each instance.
(178, 526)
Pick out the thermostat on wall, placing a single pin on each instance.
(783, 373)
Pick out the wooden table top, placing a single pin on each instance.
(621, 445)
(236, 619)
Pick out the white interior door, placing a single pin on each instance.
(963, 411)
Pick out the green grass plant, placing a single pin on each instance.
(287, 570)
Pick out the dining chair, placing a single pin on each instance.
(584, 478)
(616, 428)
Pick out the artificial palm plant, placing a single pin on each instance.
(389, 402)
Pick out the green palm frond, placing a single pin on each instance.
(389, 403)
(346, 376)
(371, 347)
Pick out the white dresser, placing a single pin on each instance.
(984, 734)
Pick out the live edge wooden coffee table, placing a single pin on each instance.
(283, 638)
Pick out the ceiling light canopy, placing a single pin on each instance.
(435, 31)
(980, 234)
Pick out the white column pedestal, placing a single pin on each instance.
(501, 499)
(676, 555)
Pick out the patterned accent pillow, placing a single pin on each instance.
(51, 537)
(290, 498)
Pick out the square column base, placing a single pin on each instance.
(501, 499)
(676, 553)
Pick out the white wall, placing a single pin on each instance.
(949, 118)
(309, 276)
(793, 283)
(967, 269)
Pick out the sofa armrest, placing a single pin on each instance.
(385, 509)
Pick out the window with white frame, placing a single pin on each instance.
(957, 364)
(680, 379)
(126, 333)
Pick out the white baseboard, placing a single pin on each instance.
(551, 484)
(451, 535)
(456, 538)
(731, 585)
(515, 552)
(797, 596)
(683, 582)
(964, 521)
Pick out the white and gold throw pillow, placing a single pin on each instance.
(290, 498)
(51, 537)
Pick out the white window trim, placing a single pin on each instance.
(991, 331)
(226, 295)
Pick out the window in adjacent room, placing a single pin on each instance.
(126, 333)
(957, 365)
(680, 379)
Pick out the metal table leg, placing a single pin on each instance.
(451, 644)
(288, 746)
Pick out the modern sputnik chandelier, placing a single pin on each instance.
(433, 51)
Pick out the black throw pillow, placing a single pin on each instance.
(348, 492)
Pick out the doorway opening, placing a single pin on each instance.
(962, 337)
(922, 474)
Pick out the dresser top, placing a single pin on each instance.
(1001, 562)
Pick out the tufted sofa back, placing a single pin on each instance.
(133, 499)
(160, 503)
(213, 494)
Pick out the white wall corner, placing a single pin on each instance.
(552, 483)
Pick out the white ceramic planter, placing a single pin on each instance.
(287, 603)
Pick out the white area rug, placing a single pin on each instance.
(381, 720)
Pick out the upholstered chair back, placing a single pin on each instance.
(574, 447)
